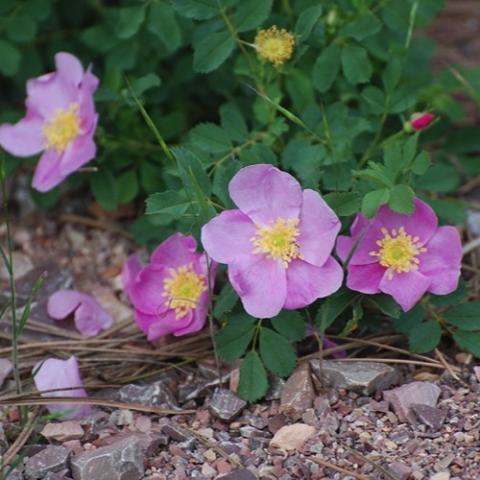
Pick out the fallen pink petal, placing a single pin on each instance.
(170, 293)
(327, 343)
(89, 316)
(60, 122)
(53, 374)
(404, 256)
(277, 244)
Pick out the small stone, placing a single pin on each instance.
(15, 474)
(226, 405)
(476, 370)
(402, 398)
(6, 368)
(21, 265)
(444, 462)
(51, 459)
(441, 476)
(74, 446)
(64, 431)
(157, 394)
(223, 467)
(243, 474)
(276, 388)
(143, 424)
(122, 460)
(210, 455)
(431, 416)
(360, 377)
(208, 471)
(122, 417)
(400, 471)
(177, 433)
(298, 393)
(292, 437)
(276, 422)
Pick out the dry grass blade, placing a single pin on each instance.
(449, 367)
(324, 463)
(392, 360)
(373, 464)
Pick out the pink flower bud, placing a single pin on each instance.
(420, 121)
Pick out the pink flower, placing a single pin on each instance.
(404, 256)
(277, 244)
(60, 122)
(420, 121)
(90, 317)
(52, 374)
(170, 294)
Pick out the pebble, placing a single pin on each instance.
(441, 476)
(243, 474)
(226, 405)
(292, 437)
(298, 393)
(6, 368)
(63, 431)
(51, 459)
(431, 416)
(157, 394)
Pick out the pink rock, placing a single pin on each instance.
(63, 431)
(292, 437)
(298, 393)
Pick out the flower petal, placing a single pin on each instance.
(24, 138)
(52, 374)
(63, 303)
(261, 285)
(199, 317)
(306, 283)
(265, 193)
(344, 246)
(318, 227)
(131, 268)
(69, 68)
(175, 251)
(226, 237)
(442, 260)
(407, 288)
(164, 324)
(77, 154)
(365, 278)
(47, 174)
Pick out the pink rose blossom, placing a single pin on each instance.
(54, 373)
(90, 317)
(404, 256)
(420, 121)
(170, 294)
(60, 122)
(277, 244)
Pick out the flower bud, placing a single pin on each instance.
(420, 121)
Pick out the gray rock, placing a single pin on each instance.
(177, 433)
(49, 460)
(360, 377)
(298, 393)
(122, 460)
(276, 388)
(63, 475)
(15, 474)
(431, 416)
(400, 470)
(5, 369)
(243, 474)
(419, 393)
(225, 404)
(157, 394)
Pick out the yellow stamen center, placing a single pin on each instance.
(183, 289)
(398, 251)
(279, 241)
(63, 128)
(275, 45)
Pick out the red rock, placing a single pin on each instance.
(222, 466)
(298, 393)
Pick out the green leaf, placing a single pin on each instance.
(10, 58)
(326, 68)
(401, 199)
(21, 28)
(162, 22)
(225, 302)
(253, 382)
(171, 202)
(333, 307)
(251, 14)
(233, 122)
(142, 84)
(468, 341)
(223, 174)
(233, 340)
(211, 51)
(386, 304)
(306, 22)
(104, 188)
(392, 74)
(362, 27)
(276, 352)
(290, 324)
(375, 99)
(129, 21)
(343, 203)
(465, 316)
(407, 321)
(373, 200)
(453, 298)
(449, 211)
(197, 9)
(356, 65)
(99, 38)
(425, 336)
(210, 138)
(127, 186)
(421, 163)
(440, 178)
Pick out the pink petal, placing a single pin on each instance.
(77, 154)
(344, 246)
(90, 317)
(365, 278)
(442, 261)
(164, 324)
(327, 343)
(69, 68)
(306, 283)
(131, 268)
(52, 374)
(228, 236)
(265, 193)
(24, 138)
(261, 285)
(175, 251)
(407, 288)
(318, 227)
(47, 174)
(199, 317)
